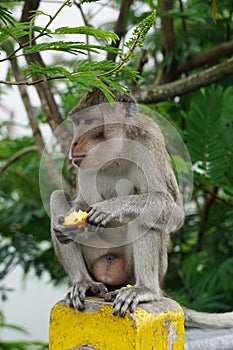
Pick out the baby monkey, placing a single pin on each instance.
(110, 270)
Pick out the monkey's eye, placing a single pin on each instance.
(98, 135)
(86, 121)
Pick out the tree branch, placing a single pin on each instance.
(18, 155)
(183, 86)
(210, 56)
(34, 82)
(213, 194)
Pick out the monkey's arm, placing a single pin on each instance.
(155, 210)
(70, 256)
(157, 202)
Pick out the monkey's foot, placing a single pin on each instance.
(76, 294)
(127, 298)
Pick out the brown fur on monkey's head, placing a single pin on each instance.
(96, 97)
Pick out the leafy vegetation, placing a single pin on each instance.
(18, 345)
(151, 57)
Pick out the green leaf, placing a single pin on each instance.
(6, 16)
(69, 46)
(14, 327)
(205, 137)
(227, 105)
(83, 1)
(3, 36)
(97, 33)
(192, 15)
(36, 68)
(15, 31)
(190, 267)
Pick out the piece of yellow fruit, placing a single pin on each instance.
(76, 218)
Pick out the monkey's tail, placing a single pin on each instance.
(205, 320)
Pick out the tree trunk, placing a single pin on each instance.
(168, 42)
(48, 103)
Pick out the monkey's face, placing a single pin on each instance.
(98, 135)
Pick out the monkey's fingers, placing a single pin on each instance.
(68, 229)
(67, 234)
(61, 219)
(77, 293)
(96, 218)
(63, 238)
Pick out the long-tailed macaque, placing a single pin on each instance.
(127, 185)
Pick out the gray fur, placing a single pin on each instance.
(138, 203)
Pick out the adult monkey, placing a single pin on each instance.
(127, 184)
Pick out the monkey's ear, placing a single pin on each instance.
(129, 104)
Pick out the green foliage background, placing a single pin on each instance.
(201, 254)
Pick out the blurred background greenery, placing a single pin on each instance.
(189, 44)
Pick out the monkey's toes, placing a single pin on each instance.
(111, 295)
(76, 296)
(99, 289)
(128, 298)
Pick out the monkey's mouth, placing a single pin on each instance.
(78, 160)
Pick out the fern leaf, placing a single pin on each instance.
(205, 138)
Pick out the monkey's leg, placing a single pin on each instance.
(148, 272)
(71, 257)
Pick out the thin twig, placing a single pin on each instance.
(85, 21)
(213, 194)
(18, 155)
(29, 83)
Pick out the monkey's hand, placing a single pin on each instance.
(127, 298)
(65, 234)
(100, 214)
(76, 294)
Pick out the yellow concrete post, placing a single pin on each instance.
(153, 326)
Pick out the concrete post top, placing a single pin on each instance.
(158, 325)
